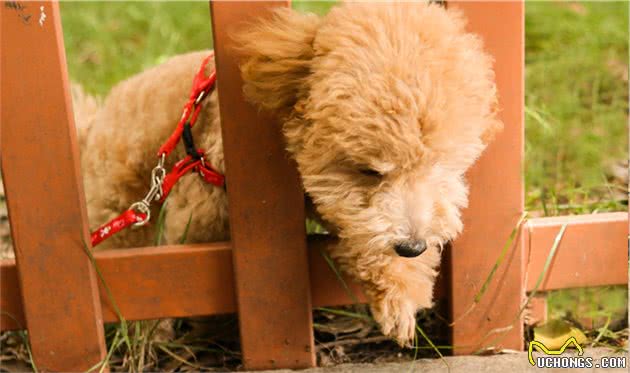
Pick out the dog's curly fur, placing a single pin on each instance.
(384, 107)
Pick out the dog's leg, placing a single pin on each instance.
(397, 287)
(405, 286)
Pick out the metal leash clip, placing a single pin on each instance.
(154, 194)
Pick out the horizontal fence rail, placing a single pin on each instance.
(175, 281)
(593, 248)
(593, 251)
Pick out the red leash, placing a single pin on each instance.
(139, 213)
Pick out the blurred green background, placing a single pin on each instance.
(576, 82)
(576, 96)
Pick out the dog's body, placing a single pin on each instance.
(384, 108)
(120, 149)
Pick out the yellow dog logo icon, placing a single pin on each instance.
(542, 348)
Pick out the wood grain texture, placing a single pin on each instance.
(207, 270)
(40, 167)
(537, 310)
(176, 281)
(593, 251)
(496, 196)
(266, 213)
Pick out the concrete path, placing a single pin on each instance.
(506, 363)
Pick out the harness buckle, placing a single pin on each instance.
(154, 194)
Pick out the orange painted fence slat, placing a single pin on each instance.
(207, 271)
(40, 167)
(593, 251)
(266, 213)
(496, 195)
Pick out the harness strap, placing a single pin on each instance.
(184, 166)
(161, 182)
(189, 143)
(202, 85)
(122, 221)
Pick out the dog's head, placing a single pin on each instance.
(384, 106)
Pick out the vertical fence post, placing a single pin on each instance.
(496, 197)
(40, 167)
(266, 214)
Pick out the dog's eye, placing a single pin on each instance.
(370, 172)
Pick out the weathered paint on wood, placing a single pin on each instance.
(207, 271)
(496, 196)
(593, 251)
(45, 199)
(266, 213)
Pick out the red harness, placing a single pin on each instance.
(162, 182)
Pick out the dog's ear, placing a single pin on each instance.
(276, 56)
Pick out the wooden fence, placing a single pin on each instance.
(52, 290)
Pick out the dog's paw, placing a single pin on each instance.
(405, 288)
(397, 318)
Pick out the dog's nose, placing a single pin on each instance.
(410, 249)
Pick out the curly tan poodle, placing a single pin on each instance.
(384, 108)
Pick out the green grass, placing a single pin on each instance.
(577, 104)
(576, 125)
(109, 41)
(576, 97)
(592, 304)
